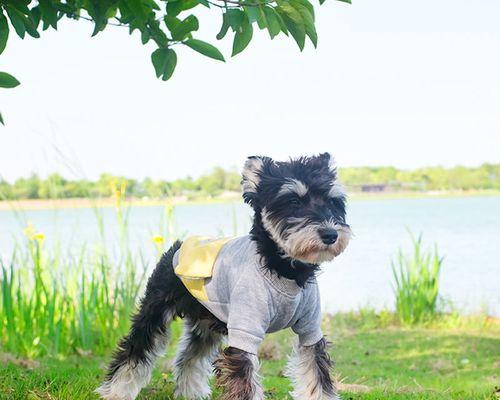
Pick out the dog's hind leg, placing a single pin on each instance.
(130, 369)
(197, 350)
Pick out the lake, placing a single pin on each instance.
(466, 230)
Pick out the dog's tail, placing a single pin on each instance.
(130, 369)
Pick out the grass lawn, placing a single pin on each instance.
(389, 363)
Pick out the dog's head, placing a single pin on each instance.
(300, 204)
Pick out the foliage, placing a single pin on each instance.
(416, 284)
(486, 176)
(161, 22)
(219, 180)
(56, 186)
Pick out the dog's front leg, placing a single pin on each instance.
(309, 369)
(236, 373)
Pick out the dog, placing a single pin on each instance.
(250, 286)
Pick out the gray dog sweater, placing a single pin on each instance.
(252, 301)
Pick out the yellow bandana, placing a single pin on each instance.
(197, 257)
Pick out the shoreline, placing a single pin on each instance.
(47, 204)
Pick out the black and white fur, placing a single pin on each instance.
(299, 223)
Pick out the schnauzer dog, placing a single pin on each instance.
(248, 286)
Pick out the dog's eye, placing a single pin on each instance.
(295, 202)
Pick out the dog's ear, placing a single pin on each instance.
(328, 160)
(251, 176)
(324, 161)
(328, 163)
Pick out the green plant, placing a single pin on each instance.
(416, 283)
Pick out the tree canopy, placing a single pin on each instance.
(219, 180)
(165, 22)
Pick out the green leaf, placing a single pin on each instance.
(36, 16)
(16, 22)
(174, 8)
(4, 32)
(49, 14)
(308, 23)
(21, 6)
(224, 28)
(233, 18)
(157, 33)
(306, 4)
(1, 119)
(242, 37)
(188, 25)
(255, 14)
(273, 23)
(164, 61)
(138, 9)
(205, 48)
(294, 23)
(171, 22)
(283, 27)
(261, 19)
(145, 36)
(8, 81)
(31, 29)
(21, 23)
(236, 18)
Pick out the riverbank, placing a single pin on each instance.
(228, 197)
(373, 362)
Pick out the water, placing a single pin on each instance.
(467, 231)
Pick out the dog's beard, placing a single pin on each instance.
(306, 245)
(302, 241)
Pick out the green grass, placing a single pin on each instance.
(389, 363)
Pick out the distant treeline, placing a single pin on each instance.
(487, 176)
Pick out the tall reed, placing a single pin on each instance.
(416, 283)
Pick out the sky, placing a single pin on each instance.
(393, 82)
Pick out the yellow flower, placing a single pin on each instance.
(39, 236)
(32, 234)
(158, 239)
(29, 231)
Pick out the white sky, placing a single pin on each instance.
(405, 83)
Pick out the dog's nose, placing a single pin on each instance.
(328, 235)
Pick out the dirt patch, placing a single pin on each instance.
(270, 350)
(19, 361)
(441, 365)
(352, 387)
